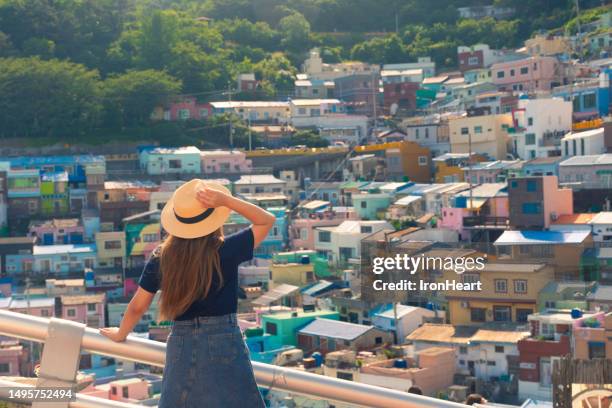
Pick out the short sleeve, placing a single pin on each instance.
(150, 279)
(239, 245)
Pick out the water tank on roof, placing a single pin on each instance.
(305, 260)
(523, 96)
(318, 358)
(400, 363)
(576, 313)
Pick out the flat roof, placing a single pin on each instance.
(335, 329)
(63, 249)
(446, 333)
(575, 219)
(541, 237)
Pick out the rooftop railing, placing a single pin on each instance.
(152, 352)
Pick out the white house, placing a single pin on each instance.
(479, 352)
(259, 183)
(343, 242)
(170, 160)
(583, 143)
(402, 319)
(540, 124)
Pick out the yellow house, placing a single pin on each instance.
(488, 133)
(509, 293)
(449, 167)
(292, 273)
(111, 249)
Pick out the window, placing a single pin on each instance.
(271, 328)
(124, 392)
(477, 129)
(545, 372)
(302, 111)
(529, 121)
(520, 286)
(499, 349)
(501, 285)
(184, 114)
(529, 139)
(532, 208)
(531, 186)
(422, 160)
(511, 72)
(5, 368)
(366, 229)
(589, 101)
(344, 376)
(500, 74)
(71, 312)
(478, 314)
(364, 204)
(502, 314)
(175, 164)
(522, 314)
(514, 184)
(491, 363)
(203, 113)
(324, 236)
(576, 103)
(416, 133)
(582, 147)
(470, 277)
(91, 307)
(597, 349)
(547, 330)
(463, 350)
(112, 245)
(149, 238)
(44, 313)
(465, 131)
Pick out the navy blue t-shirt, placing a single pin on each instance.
(236, 249)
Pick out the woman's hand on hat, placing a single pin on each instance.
(211, 198)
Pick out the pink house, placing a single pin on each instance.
(188, 108)
(35, 306)
(302, 230)
(129, 390)
(87, 309)
(12, 358)
(58, 231)
(224, 161)
(529, 74)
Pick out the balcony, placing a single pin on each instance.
(151, 352)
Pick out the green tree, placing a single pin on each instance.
(307, 138)
(295, 32)
(131, 97)
(47, 98)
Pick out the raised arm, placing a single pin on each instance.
(261, 219)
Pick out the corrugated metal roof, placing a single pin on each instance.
(335, 329)
(275, 294)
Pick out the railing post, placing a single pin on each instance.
(60, 358)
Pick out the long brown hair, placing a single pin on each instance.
(187, 267)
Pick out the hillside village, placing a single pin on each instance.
(507, 157)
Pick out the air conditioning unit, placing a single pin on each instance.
(465, 304)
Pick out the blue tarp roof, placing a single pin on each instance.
(541, 237)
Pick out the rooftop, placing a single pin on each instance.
(576, 219)
(175, 150)
(545, 160)
(335, 329)
(249, 104)
(604, 217)
(541, 237)
(258, 179)
(446, 333)
(68, 300)
(401, 310)
(313, 102)
(63, 249)
(56, 223)
(586, 133)
(589, 160)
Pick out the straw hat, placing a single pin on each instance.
(185, 217)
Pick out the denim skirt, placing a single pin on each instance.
(208, 365)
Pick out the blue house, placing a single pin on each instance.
(58, 259)
(75, 166)
(590, 99)
(543, 166)
(277, 239)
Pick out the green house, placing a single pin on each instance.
(321, 266)
(286, 325)
(564, 295)
(54, 194)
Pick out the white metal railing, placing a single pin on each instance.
(285, 379)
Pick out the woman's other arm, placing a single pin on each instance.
(261, 219)
(136, 308)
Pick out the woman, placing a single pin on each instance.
(196, 268)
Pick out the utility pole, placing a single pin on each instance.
(231, 129)
(470, 169)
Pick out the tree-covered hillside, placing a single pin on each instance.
(124, 56)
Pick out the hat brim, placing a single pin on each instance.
(200, 229)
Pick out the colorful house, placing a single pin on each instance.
(371, 206)
(57, 231)
(484, 134)
(142, 236)
(170, 160)
(225, 162)
(449, 166)
(54, 194)
(590, 99)
(86, 308)
(285, 326)
(538, 73)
